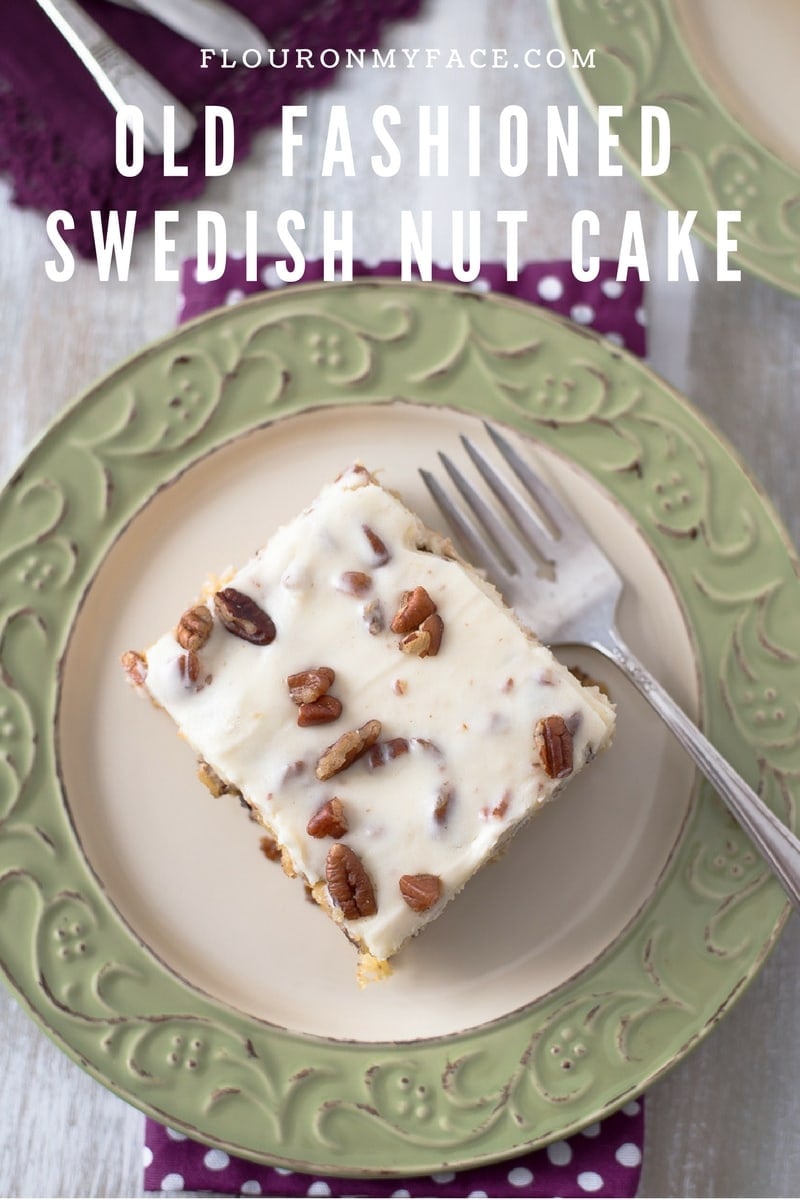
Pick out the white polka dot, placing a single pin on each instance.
(641, 315)
(443, 1177)
(616, 338)
(613, 288)
(560, 1153)
(283, 1170)
(216, 1160)
(401, 1192)
(176, 1135)
(582, 313)
(270, 277)
(628, 1155)
(251, 1187)
(590, 1181)
(319, 1188)
(632, 1108)
(147, 1156)
(181, 304)
(550, 287)
(591, 1130)
(237, 255)
(520, 1177)
(234, 296)
(478, 1195)
(371, 261)
(481, 285)
(172, 1182)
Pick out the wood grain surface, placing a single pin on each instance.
(726, 1121)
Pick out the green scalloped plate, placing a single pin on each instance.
(653, 52)
(138, 922)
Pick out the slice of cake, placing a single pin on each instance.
(378, 707)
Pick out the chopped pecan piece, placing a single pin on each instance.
(554, 743)
(189, 668)
(384, 752)
(307, 686)
(329, 820)
(417, 642)
(377, 545)
(293, 770)
(415, 607)
(444, 798)
(346, 749)
(355, 583)
(349, 884)
(270, 848)
(135, 667)
(243, 617)
(319, 712)
(375, 621)
(501, 808)
(420, 892)
(434, 627)
(194, 628)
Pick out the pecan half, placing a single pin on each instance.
(349, 884)
(377, 545)
(319, 712)
(384, 752)
(329, 820)
(307, 686)
(346, 749)
(415, 607)
(135, 666)
(242, 617)
(355, 583)
(417, 642)
(434, 627)
(420, 892)
(194, 628)
(554, 743)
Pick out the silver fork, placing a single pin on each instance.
(577, 604)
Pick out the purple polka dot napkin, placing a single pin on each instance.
(610, 307)
(604, 1159)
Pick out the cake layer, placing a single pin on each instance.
(377, 705)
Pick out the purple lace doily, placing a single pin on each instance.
(605, 1158)
(57, 129)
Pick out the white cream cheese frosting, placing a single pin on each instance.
(462, 753)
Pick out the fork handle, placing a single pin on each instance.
(121, 78)
(778, 845)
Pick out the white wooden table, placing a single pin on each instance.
(726, 1121)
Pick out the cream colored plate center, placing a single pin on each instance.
(185, 869)
(747, 51)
